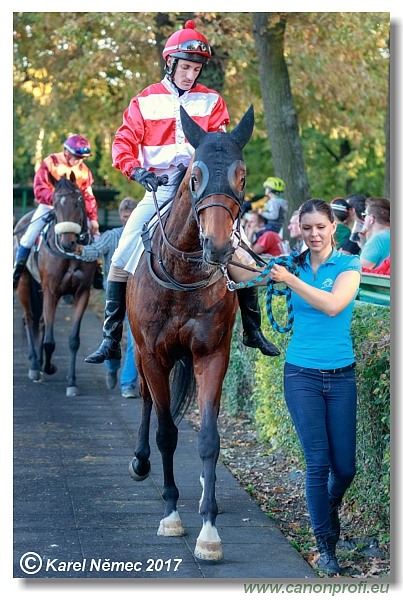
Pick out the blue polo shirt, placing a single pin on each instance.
(319, 341)
(377, 248)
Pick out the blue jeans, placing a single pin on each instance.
(129, 375)
(323, 407)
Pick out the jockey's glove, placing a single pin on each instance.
(148, 179)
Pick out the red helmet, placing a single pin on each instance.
(188, 44)
(78, 146)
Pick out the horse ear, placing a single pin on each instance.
(244, 129)
(52, 179)
(73, 177)
(193, 132)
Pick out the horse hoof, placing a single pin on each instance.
(171, 526)
(51, 370)
(71, 391)
(35, 375)
(211, 551)
(141, 475)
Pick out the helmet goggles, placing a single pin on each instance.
(79, 152)
(191, 46)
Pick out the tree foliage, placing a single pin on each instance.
(76, 72)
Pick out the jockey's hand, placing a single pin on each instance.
(94, 227)
(148, 179)
(78, 249)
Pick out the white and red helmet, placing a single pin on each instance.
(188, 44)
(78, 146)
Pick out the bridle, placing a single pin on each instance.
(196, 256)
(53, 243)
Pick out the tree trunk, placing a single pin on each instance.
(386, 185)
(280, 113)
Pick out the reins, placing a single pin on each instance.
(271, 291)
(196, 256)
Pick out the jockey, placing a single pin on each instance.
(76, 149)
(149, 148)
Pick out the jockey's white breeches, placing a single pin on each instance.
(130, 245)
(35, 226)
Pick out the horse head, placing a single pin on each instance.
(217, 183)
(70, 213)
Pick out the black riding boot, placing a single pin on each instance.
(115, 310)
(251, 320)
(19, 265)
(327, 548)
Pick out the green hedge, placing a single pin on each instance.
(254, 383)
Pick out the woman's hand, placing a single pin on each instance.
(279, 274)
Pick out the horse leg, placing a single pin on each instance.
(139, 467)
(157, 377)
(74, 342)
(34, 372)
(167, 439)
(208, 545)
(49, 311)
(31, 320)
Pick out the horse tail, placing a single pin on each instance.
(182, 387)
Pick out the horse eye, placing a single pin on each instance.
(237, 177)
(194, 182)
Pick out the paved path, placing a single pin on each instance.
(74, 501)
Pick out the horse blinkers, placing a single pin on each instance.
(217, 180)
(71, 226)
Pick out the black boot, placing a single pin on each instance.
(334, 519)
(251, 320)
(115, 310)
(327, 561)
(19, 265)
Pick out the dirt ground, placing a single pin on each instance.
(277, 484)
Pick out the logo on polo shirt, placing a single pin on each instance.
(328, 283)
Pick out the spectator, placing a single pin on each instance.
(295, 233)
(253, 203)
(276, 206)
(355, 222)
(255, 225)
(341, 211)
(377, 232)
(105, 248)
(268, 243)
(383, 269)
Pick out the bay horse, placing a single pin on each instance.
(182, 315)
(60, 273)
